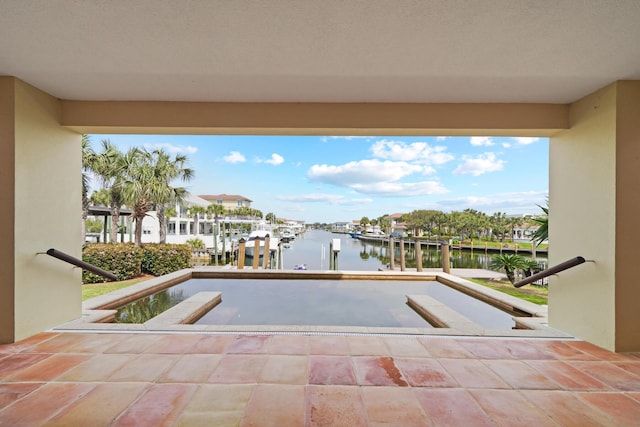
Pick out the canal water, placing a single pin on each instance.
(312, 249)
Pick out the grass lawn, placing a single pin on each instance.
(97, 289)
(534, 294)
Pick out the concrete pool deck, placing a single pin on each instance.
(194, 379)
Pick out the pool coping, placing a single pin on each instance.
(97, 310)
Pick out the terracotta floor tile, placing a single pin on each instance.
(133, 344)
(393, 406)
(105, 403)
(561, 350)
(172, 344)
(249, 344)
(379, 371)
(239, 369)
(289, 344)
(99, 368)
(43, 404)
(281, 369)
(331, 370)
(145, 367)
(621, 409)
(472, 373)
(15, 363)
(527, 350)
(367, 346)
(509, 408)
(160, 405)
(27, 343)
(444, 347)
(216, 405)
(487, 348)
(9, 392)
(598, 352)
(275, 405)
(51, 367)
(629, 366)
(565, 409)
(610, 374)
(328, 345)
(93, 343)
(566, 376)
(520, 375)
(191, 368)
(212, 344)
(58, 344)
(334, 406)
(405, 347)
(451, 407)
(424, 373)
(634, 395)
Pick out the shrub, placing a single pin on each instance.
(122, 259)
(162, 259)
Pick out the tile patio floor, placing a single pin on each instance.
(93, 379)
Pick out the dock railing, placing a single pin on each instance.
(551, 271)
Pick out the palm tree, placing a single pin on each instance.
(147, 183)
(109, 167)
(165, 171)
(510, 263)
(216, 211)
(88, 164)
(196, 211)
(542, 233)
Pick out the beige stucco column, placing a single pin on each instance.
(594, 206)
(40, 208)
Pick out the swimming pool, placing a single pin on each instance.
(276, 301)
(447, 314)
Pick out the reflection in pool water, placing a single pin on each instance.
(368, 303)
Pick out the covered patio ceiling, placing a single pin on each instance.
(347, 51)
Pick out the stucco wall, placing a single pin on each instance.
(583, 219)
(47, 213)
(627, 298)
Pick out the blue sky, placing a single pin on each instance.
(329, 179)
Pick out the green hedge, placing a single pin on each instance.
(162, 259)
(122, 259)
(127, 261)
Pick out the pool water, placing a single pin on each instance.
(367, 303)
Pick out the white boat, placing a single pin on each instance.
(260, 237)
(287, 235)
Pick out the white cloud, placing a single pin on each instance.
(332, 199)
(414, 152)
(234, 157)
(362, 172)
(441, 138)
(479, 165)
(506, 145)
(526, 140)
(276, 159)
(515, 202)
(401, 189)
(170, 148)
(481, 141)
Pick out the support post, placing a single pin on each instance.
(402, 265)
(446, 262)
(392, 250)
(331, 255)
(256, 253)
(241, 253)
(267, 253)
(418, 249)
